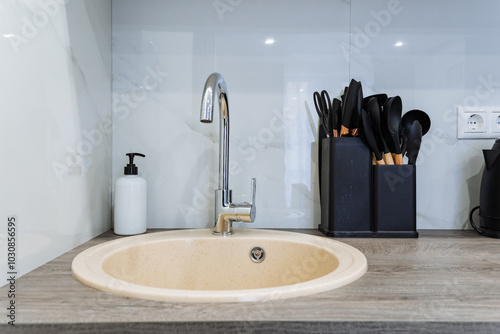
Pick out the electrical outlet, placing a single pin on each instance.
(475, 122)
(478, 122)
(495, 122)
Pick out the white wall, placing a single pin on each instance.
(55, 124)
(449, 51)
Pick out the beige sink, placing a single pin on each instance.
(196, 266)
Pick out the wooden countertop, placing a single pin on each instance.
(443, 278)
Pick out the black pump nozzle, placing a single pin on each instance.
(131, 169)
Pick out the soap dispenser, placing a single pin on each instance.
(130, 200)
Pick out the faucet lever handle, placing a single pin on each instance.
(253, 191)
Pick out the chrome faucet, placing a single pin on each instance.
(226, 212)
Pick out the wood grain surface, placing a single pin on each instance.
(443, 276)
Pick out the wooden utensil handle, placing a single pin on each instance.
(398, 158)
(344, 131)
(377, 162)
(388, 159)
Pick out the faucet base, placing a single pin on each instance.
(223, 226)
(224, 234)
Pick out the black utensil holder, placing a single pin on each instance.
(394, 202)
(345, 187)
(361, 200)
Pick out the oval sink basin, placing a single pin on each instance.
(197, 266)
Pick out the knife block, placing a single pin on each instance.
(361, 200)
(345, 187)
(394, 201)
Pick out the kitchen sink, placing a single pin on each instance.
(197, 266)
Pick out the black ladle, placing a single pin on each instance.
(408, 119)
(372, 107)
(414, 140)
(393, 108)
(416, 115)
(370, 137)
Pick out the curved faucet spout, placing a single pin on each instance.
(226, 212)
(215, 89)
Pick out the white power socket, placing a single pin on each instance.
(478, 122)
(495, 116)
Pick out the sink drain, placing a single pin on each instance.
(257, 254)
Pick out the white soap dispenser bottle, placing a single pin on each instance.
(130, 200)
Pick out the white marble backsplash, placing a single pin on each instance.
(435, 55)
(271, 137)
(55, 125)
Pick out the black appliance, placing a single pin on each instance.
(489, 197)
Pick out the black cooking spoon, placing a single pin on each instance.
(349, 104)
(392, 119)
(370, 137)
(372, 107)
(336, 116)
(414, 140)
(381, 98)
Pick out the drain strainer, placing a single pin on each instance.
(257, 254)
